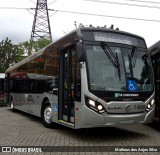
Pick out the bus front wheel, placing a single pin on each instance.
(46, 114)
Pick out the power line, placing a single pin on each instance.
(14, 8)
(137, 5)
(144, 1)
(52, 2)
(32, 1)
(101, 15)
(30, 12)
(53, 14)
(141, 1)
(90, 14)
(50, 15)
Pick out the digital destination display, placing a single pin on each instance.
(116, 38)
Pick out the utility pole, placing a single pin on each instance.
(41, 25)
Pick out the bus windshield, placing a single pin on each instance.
(131, 72)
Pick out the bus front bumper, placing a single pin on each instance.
(91, 119)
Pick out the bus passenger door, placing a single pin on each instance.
(157, 86)
(67, 85)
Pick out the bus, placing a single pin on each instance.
(2, 77)
(154, 51)
(91, 77)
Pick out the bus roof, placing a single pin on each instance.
(69, 39)
(154, 49)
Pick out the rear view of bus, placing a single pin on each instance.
(117, 79)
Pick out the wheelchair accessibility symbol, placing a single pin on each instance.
(131, 85)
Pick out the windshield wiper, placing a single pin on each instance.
(132, 60)
(114, 59)
(130, 65)
(118, 67)
(133, 57)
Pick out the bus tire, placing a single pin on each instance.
(46, 114)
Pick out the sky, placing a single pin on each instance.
(16, 24)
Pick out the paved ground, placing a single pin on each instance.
(20, 129)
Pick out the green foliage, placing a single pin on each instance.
(41, 43)
(9, 54)
(31, 46)
(27, 47)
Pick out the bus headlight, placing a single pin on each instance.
(150, 105)
(94, 105)
(99, 107)
(91, 102)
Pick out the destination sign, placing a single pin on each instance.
(116, 38)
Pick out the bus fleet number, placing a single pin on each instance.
(139, 106)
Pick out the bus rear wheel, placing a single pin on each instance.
(46, 114)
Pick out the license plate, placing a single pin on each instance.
(139, 107)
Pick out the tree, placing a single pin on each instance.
(41, 43)
(32, 46)
(9, 54)
(27, 47)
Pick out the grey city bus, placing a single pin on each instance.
(92, 77)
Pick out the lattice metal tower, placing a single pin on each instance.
(41, 24)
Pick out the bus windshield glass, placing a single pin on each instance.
(116, 68)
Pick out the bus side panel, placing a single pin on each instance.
(54, 106)
(91, 118)
(35, 102)
(32, 103)
(19, 101)
(29, 103)
(78, 114)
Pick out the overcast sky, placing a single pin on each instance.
(17, 24)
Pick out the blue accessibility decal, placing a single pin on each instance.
(55, 107)
(132, 86)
